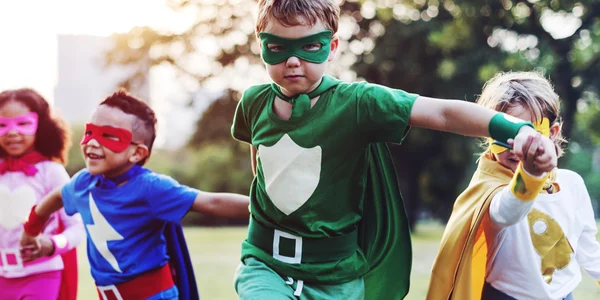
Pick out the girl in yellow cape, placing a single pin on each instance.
(518, 232)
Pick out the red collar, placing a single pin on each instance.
(25, 163)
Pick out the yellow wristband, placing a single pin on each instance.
(526, 187)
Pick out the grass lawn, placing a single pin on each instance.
(215, 253)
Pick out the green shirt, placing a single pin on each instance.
(311, 171)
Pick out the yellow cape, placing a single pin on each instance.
(460, 266)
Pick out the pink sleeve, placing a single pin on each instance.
(72, 234)
(55, 176)
(72, 226)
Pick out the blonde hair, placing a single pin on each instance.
(531, 90)
(293, 12)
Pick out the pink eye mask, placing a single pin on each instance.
(24, 124)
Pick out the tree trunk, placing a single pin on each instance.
(569, 95)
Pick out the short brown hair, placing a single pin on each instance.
(145, 126)
(288, 13)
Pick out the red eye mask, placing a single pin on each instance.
(114, 138)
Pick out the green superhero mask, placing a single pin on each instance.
(312, 48)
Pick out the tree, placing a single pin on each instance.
(75, 157)
(440, 48)
(450, 48)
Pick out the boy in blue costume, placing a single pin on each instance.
(126, 208)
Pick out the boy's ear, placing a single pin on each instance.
(141, 152)
(333, 47)
(555, 129)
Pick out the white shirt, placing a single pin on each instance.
(540, 246)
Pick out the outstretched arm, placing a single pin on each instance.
(471, 119)
(226, 205)
(454, 116)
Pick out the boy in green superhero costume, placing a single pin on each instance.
(328, 220)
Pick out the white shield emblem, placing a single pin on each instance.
(291, 173)
(15, 206)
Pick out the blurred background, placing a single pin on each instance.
(191, 59)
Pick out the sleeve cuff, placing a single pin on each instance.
(526, 187)
(61, 244)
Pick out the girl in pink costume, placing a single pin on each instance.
(33, 148)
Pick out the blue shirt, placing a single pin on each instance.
(125, 224)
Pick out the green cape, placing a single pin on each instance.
(384, 233)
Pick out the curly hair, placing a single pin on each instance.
(145, 126)
(53, 137)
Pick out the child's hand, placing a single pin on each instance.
(29, 245)
(546, 160)
(33, 248)
(537, 154)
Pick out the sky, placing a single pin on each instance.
(28, 30)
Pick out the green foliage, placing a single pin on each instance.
(463, 44)
(439, 48)
(76, 161)
(583, 152)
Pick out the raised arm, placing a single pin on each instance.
(226, 205)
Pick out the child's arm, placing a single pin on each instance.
(170, 201)
(588, 248)
(56, 244)
(455, 116)
(50, 204)
(226, 205)
(470, 119)
(513, 203)
(31, 246)
(72, 235)
(40, 213)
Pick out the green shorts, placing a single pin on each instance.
(255, 280)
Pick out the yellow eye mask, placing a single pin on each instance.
(543, 127)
